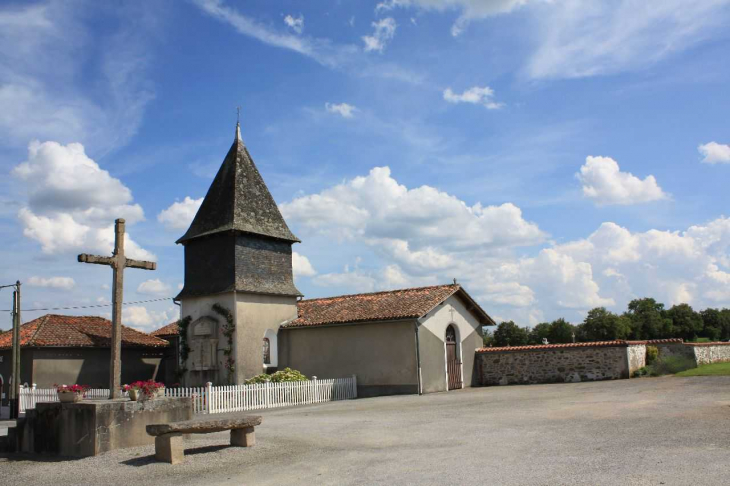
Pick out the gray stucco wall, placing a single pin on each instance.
(433, 366)
(432, 334)
(256, 314)
(85, 366)
(381, 354)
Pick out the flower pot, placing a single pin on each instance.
(159, 393)
(70, 397)
(133, 394)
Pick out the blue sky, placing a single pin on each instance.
(553, 156)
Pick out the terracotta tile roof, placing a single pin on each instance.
(54, 330)
(171, 329)
(717, 343)
(540, 347)
(658, 341)
(379, 306)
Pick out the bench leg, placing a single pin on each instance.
(243, 437)
(169, 448)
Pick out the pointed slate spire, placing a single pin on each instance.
(238, 200)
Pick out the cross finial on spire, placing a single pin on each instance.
(238, 123)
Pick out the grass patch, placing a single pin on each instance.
(715, 369)
(666, 366)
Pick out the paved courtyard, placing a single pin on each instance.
(643, 431)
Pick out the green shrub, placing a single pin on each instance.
(287, 374)
(671, 365)
(652, 353)
(641, 372)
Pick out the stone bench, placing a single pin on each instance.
(169, 437)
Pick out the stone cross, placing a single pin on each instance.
(118, 262)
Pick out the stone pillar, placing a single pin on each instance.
(243, 437)
(169, 448)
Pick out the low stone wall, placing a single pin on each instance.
(553, 363)
(637, 357)
(91, 427)
(707, 353)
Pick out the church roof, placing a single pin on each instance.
(171, 329)
(238, 200)
(53, 330)
(380, 306)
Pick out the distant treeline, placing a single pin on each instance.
(644, 319)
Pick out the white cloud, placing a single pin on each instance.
(377, 207)
(579, 38)
(180, 214)
(39, 67)
(343, 109)
(147, 320)
(296, 24)
(384, 31)
(714, 153)
(65, 283)
(605, 184)
(321, 50)
(154, 287)
(72, 201)
(422, 236)
(476, 95)
(301, 265)
(469, 9)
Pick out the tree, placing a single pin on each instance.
(602, 325)
(725, 317)
(686, 322)
(539, 332)
(510, 334)
(712, 324)
(648, 320)
(488, 338)
(561, 331)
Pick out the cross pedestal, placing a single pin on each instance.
(118, 262)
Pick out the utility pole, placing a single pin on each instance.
(15, 387)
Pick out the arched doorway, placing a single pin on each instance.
(453, 359)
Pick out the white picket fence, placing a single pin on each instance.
(218, 399)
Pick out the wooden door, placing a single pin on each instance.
(453, 364)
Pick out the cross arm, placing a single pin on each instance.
(99, 260)
(140, 264)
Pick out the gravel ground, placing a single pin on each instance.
(643, 431)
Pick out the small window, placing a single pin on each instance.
(450, 334)
(267, 351)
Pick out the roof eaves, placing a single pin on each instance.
(350, 323)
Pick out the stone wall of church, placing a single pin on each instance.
(205, 362)
(552, 364)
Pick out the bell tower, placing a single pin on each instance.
(238, 254)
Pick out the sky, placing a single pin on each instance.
(551, 155)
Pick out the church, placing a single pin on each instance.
(242, 315)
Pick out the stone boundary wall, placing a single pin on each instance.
(707, 353)
(701, 353)
(556, 363)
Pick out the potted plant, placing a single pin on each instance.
(145, 390)
(71, 393)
